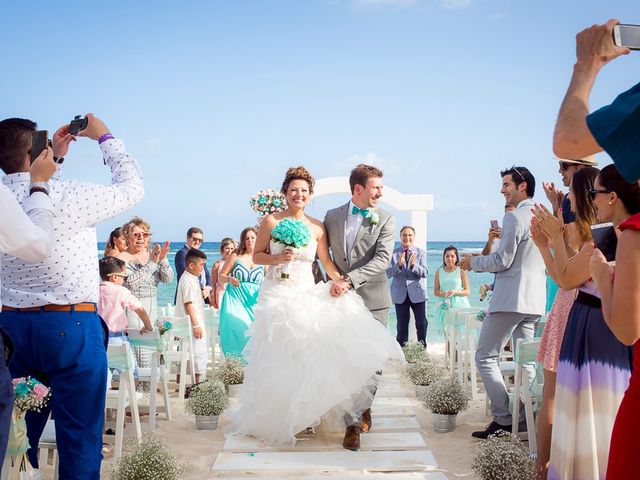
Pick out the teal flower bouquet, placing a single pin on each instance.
(269, 201)
(30, 395)
(293, 234)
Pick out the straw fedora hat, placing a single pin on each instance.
(589, 161)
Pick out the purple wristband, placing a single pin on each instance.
(104, 138)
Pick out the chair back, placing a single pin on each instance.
(526, 351)
(119, 357)
(149, 340)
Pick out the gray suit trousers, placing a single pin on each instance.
(497, 328)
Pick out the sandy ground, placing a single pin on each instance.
(198, 449)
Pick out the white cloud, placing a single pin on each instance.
(455, 4)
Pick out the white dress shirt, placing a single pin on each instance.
(351, 227)
(70, 274)
(26, 233)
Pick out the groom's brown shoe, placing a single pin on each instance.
(352, 438)
(366, 423)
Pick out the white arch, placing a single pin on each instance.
(417, 204)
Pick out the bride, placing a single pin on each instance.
(312, 348)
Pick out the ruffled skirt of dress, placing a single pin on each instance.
(309, 355)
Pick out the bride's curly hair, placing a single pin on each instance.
(297, 173)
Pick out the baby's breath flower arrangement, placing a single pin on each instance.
(423, 372)
(415, 351)
(231, 371)
(207, 399)
(503, 457)
(152, 459)
(446, 397)
(30, 394)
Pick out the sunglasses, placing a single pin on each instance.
(116, 274)
(515, 169)
(564, 166)
(141, 235)
(197, 240)
(593, 192)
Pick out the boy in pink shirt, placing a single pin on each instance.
(114, 299)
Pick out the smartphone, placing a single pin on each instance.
(495, 224)
(627, 36)
(39, 141)
(606, 240)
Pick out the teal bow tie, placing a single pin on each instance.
(362, 211)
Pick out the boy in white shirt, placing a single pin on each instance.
(189, 301)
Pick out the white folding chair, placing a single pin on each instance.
(455, 325)
(212, 326)
(526, 388)
(156, 371)
(120, 357)
(179, 349)
(48, 442)
(473, 327)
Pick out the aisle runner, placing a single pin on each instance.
(395, 444)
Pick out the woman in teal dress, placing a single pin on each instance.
(240, 296)
(451, 284)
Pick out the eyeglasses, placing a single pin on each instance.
(594, 192)
(141, 235)
(197, 239)
(116, 274)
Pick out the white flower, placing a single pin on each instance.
(373, 217)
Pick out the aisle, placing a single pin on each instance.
(394, 449)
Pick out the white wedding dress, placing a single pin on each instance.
(310, 355)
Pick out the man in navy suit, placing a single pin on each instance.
(195, 238)
(408, 269)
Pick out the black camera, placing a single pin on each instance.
(77, 125)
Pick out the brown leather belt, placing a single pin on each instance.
(77, 307)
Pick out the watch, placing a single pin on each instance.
(348, 280)
(58, 160)
(39, 187)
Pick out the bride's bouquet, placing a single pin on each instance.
(269, 201)
(293, 234)
(30, 395)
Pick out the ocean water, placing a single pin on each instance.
(434, 261)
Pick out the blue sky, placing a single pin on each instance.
(217, 98)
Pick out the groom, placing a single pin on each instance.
(361, 238)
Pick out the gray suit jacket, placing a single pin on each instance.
(370, 256)
(408, 280)
(520, 275)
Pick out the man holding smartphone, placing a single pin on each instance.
(49, 306)
(612, 128)
(519, 293)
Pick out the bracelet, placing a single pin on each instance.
(104, 138)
